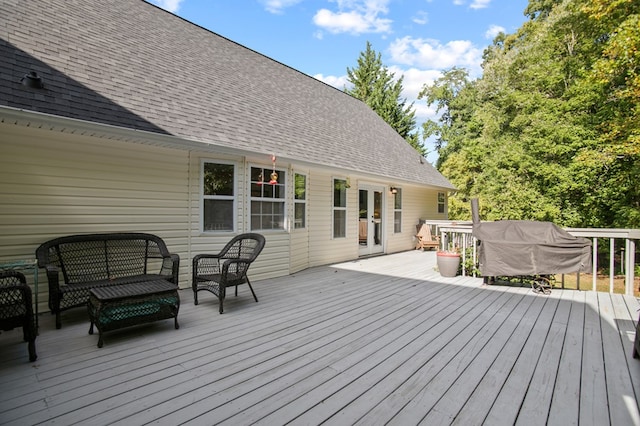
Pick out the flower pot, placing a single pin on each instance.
(448, 263)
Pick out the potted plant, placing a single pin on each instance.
(448, 261)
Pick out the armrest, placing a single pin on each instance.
(174, 259)
(205, 264)
(53, 274)
(25, 293)
(237, 268)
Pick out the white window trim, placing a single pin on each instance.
(334, 208)
(296, 201)
(226, 197)
(393, 200)
(444, 203)
(249, 198)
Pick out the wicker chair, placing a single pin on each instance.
(216, 272)
(16, 309)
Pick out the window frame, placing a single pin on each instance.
(442, 203)
(297, 201)
(266, 171)
(204, 197)
(397, 210)
(335, 208)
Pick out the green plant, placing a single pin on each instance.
(470, 266)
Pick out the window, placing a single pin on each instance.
(299, 201)
(218, 197)
(397, 211)
(441, 202)
(339, 208)
(267, 199)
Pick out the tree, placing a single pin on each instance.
(611, 91)
(377, 87)
(513, 137)
(551, 131)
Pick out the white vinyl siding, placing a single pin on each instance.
(56, 184)
(60, 183)
(323, 248)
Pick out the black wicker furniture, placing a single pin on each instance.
(636, 343)
(78, 263)
(16, 308)
(216, 272)
(115, 307)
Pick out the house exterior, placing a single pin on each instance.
(146, 122)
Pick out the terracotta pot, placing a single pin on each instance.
(448, 263)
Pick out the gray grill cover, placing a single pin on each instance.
(519, 247)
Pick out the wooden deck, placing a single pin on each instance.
(376, 341)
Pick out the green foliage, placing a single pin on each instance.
(377, 87)
(552, 129)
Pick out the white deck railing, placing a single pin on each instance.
(460, 233)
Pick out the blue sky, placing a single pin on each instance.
(417, 39)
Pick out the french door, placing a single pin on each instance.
(370, 220)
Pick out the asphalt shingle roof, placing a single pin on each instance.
(134, 65)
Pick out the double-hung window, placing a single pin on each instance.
(397, 211)
(300, 201)
(267, 199)
(339, 208)
(218, 196)
(441, 202)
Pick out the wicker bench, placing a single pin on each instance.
(78, 263)
(115, 307)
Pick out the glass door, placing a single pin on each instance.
(370, 224)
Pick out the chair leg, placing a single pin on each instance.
(195, 297)
(251, 288)
(32, 350)
(29, 332)
(58, 321)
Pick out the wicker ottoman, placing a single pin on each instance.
(115, 307)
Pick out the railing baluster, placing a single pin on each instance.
(612, 254)
(630, 265)
(594, 262)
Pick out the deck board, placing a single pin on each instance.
(374, 341)
(565, 405)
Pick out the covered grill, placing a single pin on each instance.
(528, 248)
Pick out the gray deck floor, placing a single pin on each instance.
(376, 341)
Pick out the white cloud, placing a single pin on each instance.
(355, 17)
(277, 6)
(169, 5)
(421, 18)
(493, 31)
(414, 80)
(475, 4)
(431, 54)
(480, 4)
(339, 82)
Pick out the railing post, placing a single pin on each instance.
(594, 262)
(630, 265)
(612, 254)
(464, 252)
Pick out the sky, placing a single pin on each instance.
(417, 39)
